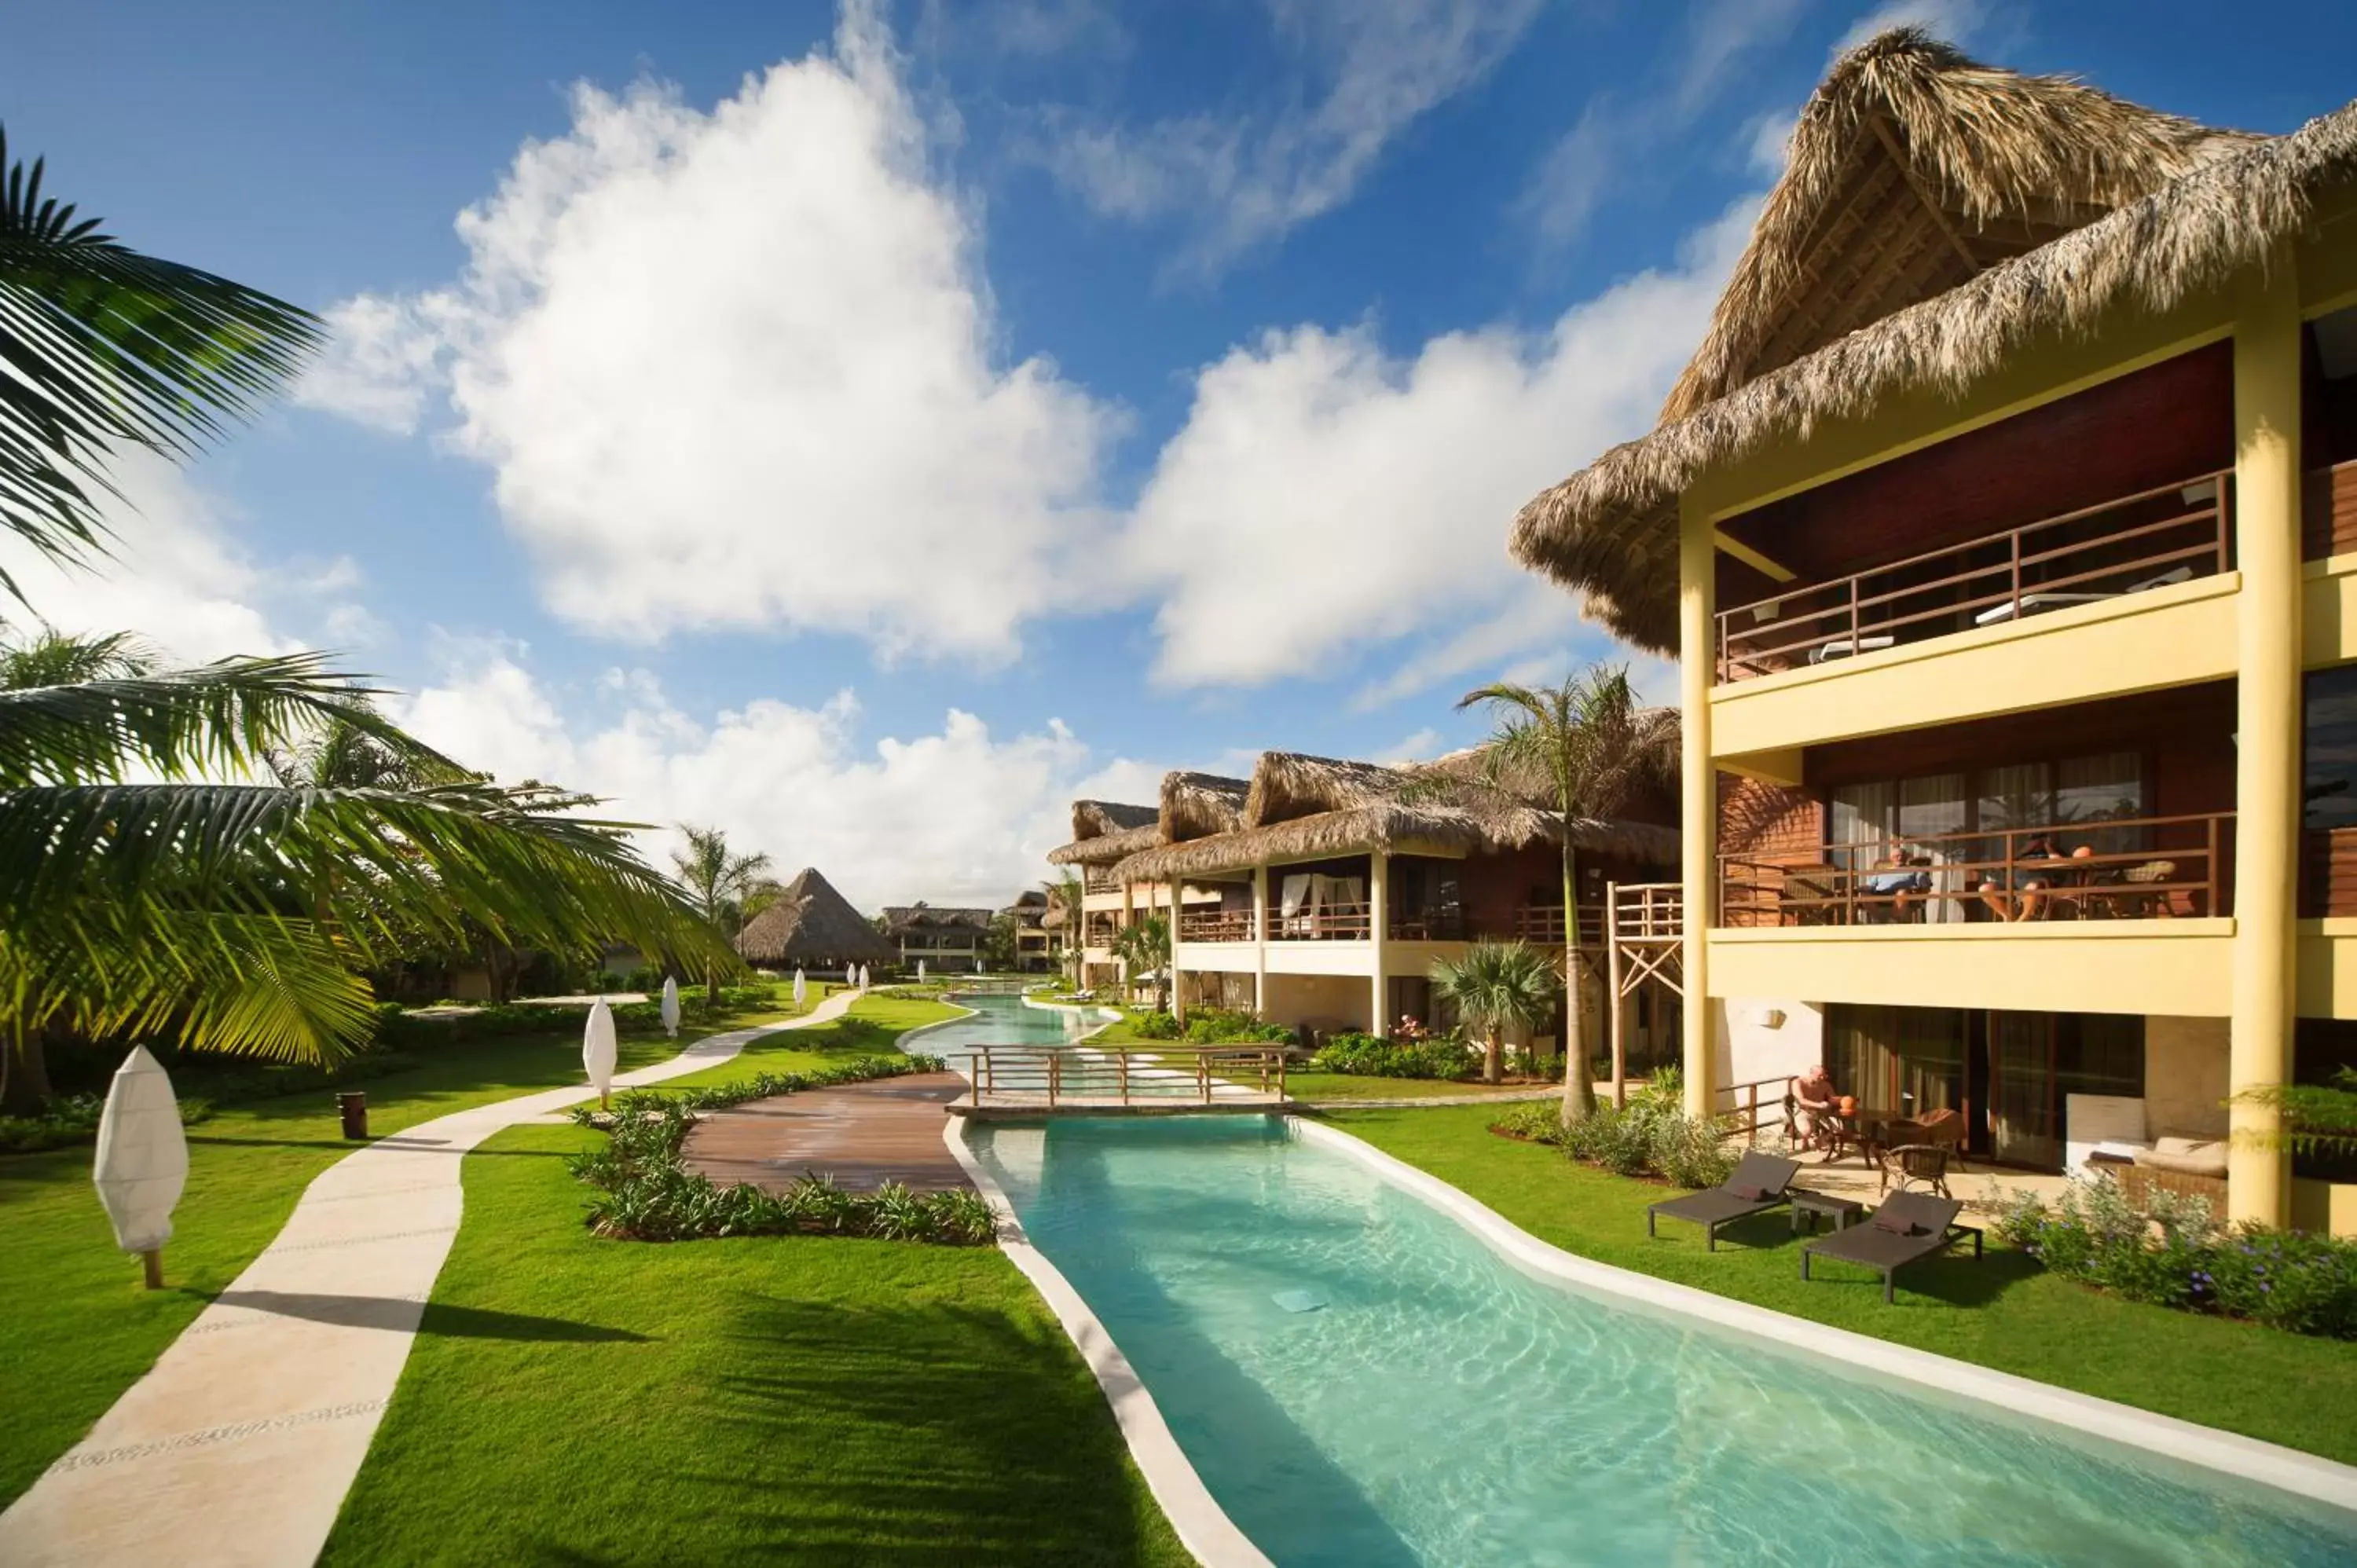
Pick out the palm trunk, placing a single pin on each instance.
(1578, 1093)
(25, 1084)
(1493, 1056)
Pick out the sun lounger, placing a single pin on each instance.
(1849, 647)
(1758, 1185)
(1907, 1228)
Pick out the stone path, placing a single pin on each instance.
(238, 1446)
(862, 1135)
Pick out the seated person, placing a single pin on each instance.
(1898, 878)
(2031, 884)
(1813, 1097)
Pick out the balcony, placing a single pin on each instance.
(2133, 544)
(2120, 869)
(1097, 880)
(1215, 926)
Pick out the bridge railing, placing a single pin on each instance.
(1112, 1075)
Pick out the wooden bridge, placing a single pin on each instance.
(1116, 1080)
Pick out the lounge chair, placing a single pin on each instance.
(1908, 1227)
(1757, 1186)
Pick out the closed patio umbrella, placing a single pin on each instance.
(670, 1005)
(142, 1159)
(921, 971)
(802, 990)
(598, 1052)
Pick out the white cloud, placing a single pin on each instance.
(1324, 498)
(1421, 746)
(1530, 612)
(175, 575)
(738, 369)
(1953, 20)
(954, 816)
(1362, 71)
(1570, 182)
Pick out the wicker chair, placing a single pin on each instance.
(1926, 1162)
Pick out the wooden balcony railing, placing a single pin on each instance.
(2128, 545)
(2329, 511)
(1542, 925)
(1097, 880)
(2100, 869)
(1648, 911)
(1215, 926)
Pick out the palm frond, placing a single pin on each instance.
(103, 347)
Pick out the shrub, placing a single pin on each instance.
(1652, 1136)
(649, 1196)
(72, 1118)
(1533, 1121)
(1372, 1057)
(1155, 1026)
(2175, 1254)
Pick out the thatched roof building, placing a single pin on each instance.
(1105, 831)
(1196, 805)
(812, 925)
(899, 920)
(1936, 214)
(1299, 806)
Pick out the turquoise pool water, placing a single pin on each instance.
(1359, 1381)
(1001, 1020)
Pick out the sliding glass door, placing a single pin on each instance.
(1899, 1060)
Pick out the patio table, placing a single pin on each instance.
(1844, 1212)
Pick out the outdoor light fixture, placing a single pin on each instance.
(598, 1052)
(670, 1005)
(142, 1159)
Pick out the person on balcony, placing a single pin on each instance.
(2035, 885)
(1899, 876)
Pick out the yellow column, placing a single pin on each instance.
(2267, 733)
(1260, 942)
(1379, 935)
(1698, 808)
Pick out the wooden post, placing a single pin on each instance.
(153, 1262)
(1055, 1077)
(1121, 1070)
(1616, 1013)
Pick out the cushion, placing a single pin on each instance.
(2175, 1144)
(2201, 1159)
(1749, 1193)
(1898, 1224)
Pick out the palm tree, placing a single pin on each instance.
(1592, 745)
(1496, 986)
(105, 348)
(1144, 946)
(1069, 893)
(717, 881)
(152, 883)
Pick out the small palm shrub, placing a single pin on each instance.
(2175, 1254)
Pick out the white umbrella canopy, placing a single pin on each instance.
(802, 990)
(920, 969)
(977, 966)
(598, 1051)
(142, 1159)
(670, 1005)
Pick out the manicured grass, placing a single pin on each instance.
(2001, 1311)
(81, 1330)
(1306, 1085)
(789, 1399)
(871, 1028)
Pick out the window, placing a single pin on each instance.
(2328, 789)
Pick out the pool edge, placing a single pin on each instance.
(1202, 1525)
(2307, 1475)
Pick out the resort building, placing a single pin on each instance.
(1106, 832)
(1319, 893)
(943, 940)
(2005, 528)
(1035, 943)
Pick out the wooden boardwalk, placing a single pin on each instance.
(862, 1135)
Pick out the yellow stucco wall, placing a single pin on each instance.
(2089, 966)
(2169, 637)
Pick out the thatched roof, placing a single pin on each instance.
(1935, 214)
(1195, 805)
(1105, 831)
(812, 924)
(922, 917)
(1302, 808)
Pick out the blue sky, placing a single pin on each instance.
(863, 429)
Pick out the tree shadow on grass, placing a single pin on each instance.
(394, 1139)
(942, 1434)
(447, 1321)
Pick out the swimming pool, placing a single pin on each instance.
(1358, 1380)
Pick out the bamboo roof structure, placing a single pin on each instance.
(1196, 805)
(1935, 215)
(1105, 831)
(815, 926)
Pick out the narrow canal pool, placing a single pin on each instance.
(1359, 1381)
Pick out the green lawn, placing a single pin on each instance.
(81, 1330)
(2002, 1311)
(784, 1399)
(1305, 1084)
(870, 1029)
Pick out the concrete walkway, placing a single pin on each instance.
(238, 1446)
